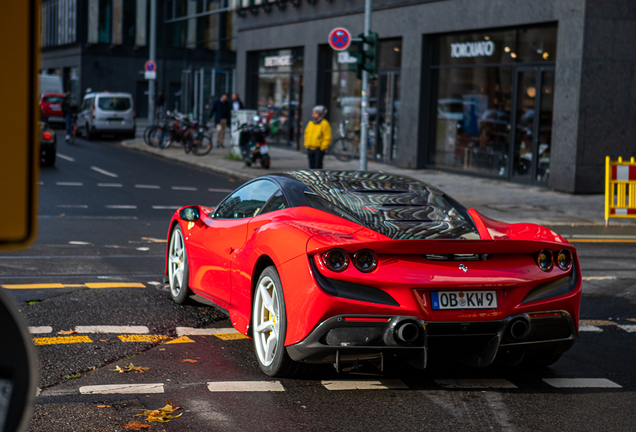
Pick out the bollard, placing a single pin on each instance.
(620, 189)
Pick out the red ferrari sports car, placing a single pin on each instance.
(347, 266)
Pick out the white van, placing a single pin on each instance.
(106, 113)
(50, 84)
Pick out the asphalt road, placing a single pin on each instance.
(100, 250)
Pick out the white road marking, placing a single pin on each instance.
(143, 186)
(103, 171)
(40, 329)
(113, 329)
(121, 206)
(246, 386)
(69, 183)
(475, 383)
(387, 384)
(166, 207)
(189, 331)
(68, 158)
(143, 249)
(589, 278)
(154, 283)
(600, 236)
(581, 383)
(219, 190)
(122, 389)
(630, 328)
(184, 188)
(79, 243)
(72, 206)
(589, 328)
(109, 185)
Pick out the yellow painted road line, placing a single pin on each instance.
(143, 338)
(32, 286)
(60, 340)
(231, 336)
(182, 339)
(114, 285)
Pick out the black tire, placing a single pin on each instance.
(177, 255)
(278, 363)
(265, 161)
(89, 135)
(49, 159)
(153, 136)
(344, 149)
(202, 144)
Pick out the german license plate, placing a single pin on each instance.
(264, 149)
(464, 299)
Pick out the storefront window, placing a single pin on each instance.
(486, 88)
(280, 88)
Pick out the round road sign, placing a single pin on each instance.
(150, 66)
(340, 38)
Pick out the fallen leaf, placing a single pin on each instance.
(190, 361)
(131, 367)
(162, 349)
(161, 415)
(67, 332)
(133, 425)
(103, 406)
(103, 340)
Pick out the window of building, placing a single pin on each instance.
(104, 24)
(488, 86)
(129, 20)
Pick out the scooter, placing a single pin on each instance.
(252, 143)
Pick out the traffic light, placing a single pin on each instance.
(365, 59)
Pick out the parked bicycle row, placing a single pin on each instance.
(175, 127)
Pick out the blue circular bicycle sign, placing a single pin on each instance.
(340, 38)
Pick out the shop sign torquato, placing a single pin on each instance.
(472, 49)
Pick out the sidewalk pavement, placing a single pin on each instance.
(509, 202)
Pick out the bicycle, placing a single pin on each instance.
(195, 137)
(344, 148)
(154, 132)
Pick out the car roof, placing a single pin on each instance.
(93, 94)
(397, 206)
(54, 94)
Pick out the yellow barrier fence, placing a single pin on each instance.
(620, 189)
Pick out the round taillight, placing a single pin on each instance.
(336, 260)
(544, 260)
(365, 260)
(47, 135)
(564, 259)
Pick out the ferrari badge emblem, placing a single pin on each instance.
(190, 225)
(463, 268)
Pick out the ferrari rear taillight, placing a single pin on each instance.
(365, 260)
(545, 260)
(564, 259)
(336, 260)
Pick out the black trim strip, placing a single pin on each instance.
(552, 289)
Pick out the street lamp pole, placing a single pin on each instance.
(152, 54)
(364, 127)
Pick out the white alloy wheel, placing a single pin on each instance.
(267, 320)
(178, 267)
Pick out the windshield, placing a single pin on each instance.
(113, 103)
(396, 206)
(52, 99)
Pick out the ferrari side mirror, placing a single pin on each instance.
(190, 214)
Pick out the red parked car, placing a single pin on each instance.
(348, 266)
(51, 106)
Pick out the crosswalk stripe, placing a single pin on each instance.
(589, 328)
(630, 328)
(245, 386)
(122, 389)
(581, 383)
(190, 331)
(389, 384)
(112, 329)
(475, 383)
(40, 329)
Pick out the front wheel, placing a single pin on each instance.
(344, 149)
(265, 161)
(269, 326)
(178, 272)
(202, 145)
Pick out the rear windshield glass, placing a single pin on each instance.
(53, 99)
(396, 206)
(113, 103)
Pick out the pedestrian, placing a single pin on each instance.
(221, 110)
(317, 137)
(236, 102)
(66, 112)
(161, 101)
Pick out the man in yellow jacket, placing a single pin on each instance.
(317, 137)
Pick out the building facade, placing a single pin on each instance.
(104, 44)
(535, 92)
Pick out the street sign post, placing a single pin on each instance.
(150, 70)
(19, 115)
(340, 39)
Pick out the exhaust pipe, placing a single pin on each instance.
(407, 332)
(518, 328)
